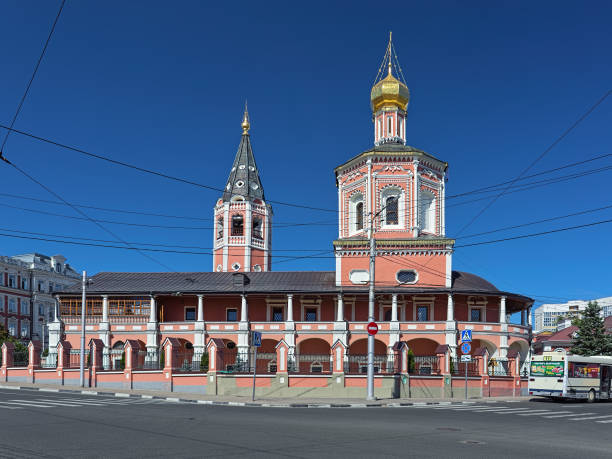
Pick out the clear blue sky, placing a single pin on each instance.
(163, 84)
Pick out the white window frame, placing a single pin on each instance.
(355, 199)
(420, 301)
(24, 304)
(428, 215)
(390, 125)
(416, 278)
(275, 303)
(398, 192)
(310, 304)
(477, 303)
(185, 313)
(13, 278)
(12, 324)
(25, 325)
(12, 301)
(237, 315)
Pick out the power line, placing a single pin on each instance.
(533, 163)
(536, 222)
(568, 228)
(27, 90)
(150, 171)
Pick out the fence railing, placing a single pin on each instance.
(458, 367)
(311, 364)
(49, 361)
(498, 367)
(20, 358)
(424, 365)
(383, 364)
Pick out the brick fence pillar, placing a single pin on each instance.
(34, 349)
(8, 349)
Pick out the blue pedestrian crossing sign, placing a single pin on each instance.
(466, 336)
(256, 339)
(466, 348)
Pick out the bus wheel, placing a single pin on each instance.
(591, 396)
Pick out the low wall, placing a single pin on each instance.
(279, 385)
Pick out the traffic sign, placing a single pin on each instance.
(466, 336)
(256, 339)
(372, 328)
(466, 348)
(466, 358)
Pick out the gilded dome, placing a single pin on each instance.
(389, 92)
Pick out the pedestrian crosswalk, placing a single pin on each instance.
(578, 412)
(71, 402)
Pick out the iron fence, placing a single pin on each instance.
(458, 367)
(498, 367)
(423, 365)
(117, 359)
(20, 358)
(49, 361)
(383, 364)
(311, 364)
(152, 361)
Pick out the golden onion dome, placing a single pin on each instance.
(389, 92)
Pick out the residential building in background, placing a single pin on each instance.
(554, 317)
(27, 283)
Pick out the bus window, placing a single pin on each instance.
(583, 370)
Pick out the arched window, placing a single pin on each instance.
(389, 126)
(380, 126)
(356, 213)
(359, 216)
(220, 228)
(428, 212)
(391, 211)
(400, 126)
(257, 228)
(237, 225)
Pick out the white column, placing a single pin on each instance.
(244, 310)
(289, 308)
(529, 320)
(502, 310)
(394, 307)
(153, 310)
(450, 308)
(105, 308)
(340, 317)
(200, 308)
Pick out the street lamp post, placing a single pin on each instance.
(83, 306)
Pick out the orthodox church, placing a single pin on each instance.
(392, 193)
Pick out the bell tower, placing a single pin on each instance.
(395, 194)
(242, 239)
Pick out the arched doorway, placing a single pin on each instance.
(422, 358)
(357, 357)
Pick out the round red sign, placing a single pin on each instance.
(372, 328)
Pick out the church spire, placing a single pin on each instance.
(244, 178)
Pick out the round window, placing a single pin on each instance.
(239, 183)
(230, 345)
(406, 276)
(219, 268)
(257, 268)
(241, 167)
(254, 186)
(236, 266)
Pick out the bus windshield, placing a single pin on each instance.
(547, 368)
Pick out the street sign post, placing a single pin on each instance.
(466, 336)
(255, 342)
(466, 347)
(372, 328)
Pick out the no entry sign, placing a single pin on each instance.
(372, 328)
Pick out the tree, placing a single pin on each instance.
(591, 336)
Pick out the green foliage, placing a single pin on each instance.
(204, 362)
(411, 361)
(6, 337)
(122, 362)
(452, 366)
(45, 353)
(592, 338)
(162, 358)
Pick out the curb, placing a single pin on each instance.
(246, 404)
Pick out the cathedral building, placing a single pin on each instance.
(392, 193)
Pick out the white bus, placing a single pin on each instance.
(560, 375)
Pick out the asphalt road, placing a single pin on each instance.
(53, 425)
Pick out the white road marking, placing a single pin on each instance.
(511, 410)
(501, 410)
(10, 407)
(28, 404)
(67, 402)
(592, 417)
(539, 412)
(120, 394)
(566, 415)
(605, 422)
(51, 402)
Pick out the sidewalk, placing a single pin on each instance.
(261, 401)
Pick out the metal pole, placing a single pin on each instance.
(83, 302)
(370, 379)
(466, 380)
(254, 373)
